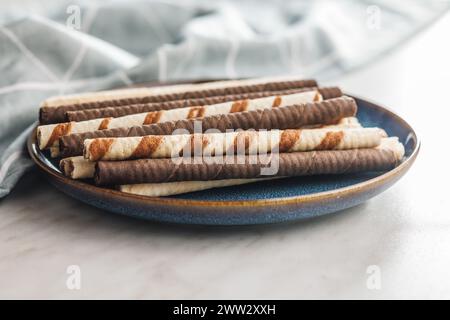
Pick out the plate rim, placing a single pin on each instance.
(308, 198)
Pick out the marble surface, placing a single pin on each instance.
(404, 232)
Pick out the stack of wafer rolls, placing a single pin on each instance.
(120, 111)
(382, 158)
(48, 135)
(248, 142)
(77, 167)
(327, 112)
(54, 109)
(168, 140)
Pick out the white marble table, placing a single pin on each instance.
(405, 232)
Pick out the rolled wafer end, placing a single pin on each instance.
(382, 133)
(48, 135)
(43, 114)
(43, 134)
(330, 92)
(77, 167)
(87, 145)
(349, 122)
(54, 152)
(394, 145)
(67, 167)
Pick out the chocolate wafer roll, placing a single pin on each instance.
(330, 92)
(48, 135)
(115, 112)
(238, 142)
(296, 116)
(54, 114)
(80, 168)
(385, 157)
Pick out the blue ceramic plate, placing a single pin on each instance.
(257, 203)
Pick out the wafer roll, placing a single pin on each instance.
(344, 123)
(173, 188)
(117, 94)
(330, 92)
(238, 142)
(120, 111)
(80, 168)
(385, 157)
(115, 112)
(77, 167)
(50, 112)
(310, 114)
(54, 152)
(48, 135)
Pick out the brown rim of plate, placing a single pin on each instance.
(310, 198)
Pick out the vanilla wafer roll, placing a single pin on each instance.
(384, 157)
(238, 142)
(173, 188)
(344, 123)
(117, 94)
(54, 152)
(48, 135)
(394, 145)
(120, 111)
(349, 122)
(78, 98)
(53, 110)
(77, 167)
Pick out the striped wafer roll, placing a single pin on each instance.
(48, 135)
(51, 112)
(238, 142)
(310, 114)
(120, 111)
(385, 157)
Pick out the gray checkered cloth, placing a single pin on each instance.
(53, 47)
